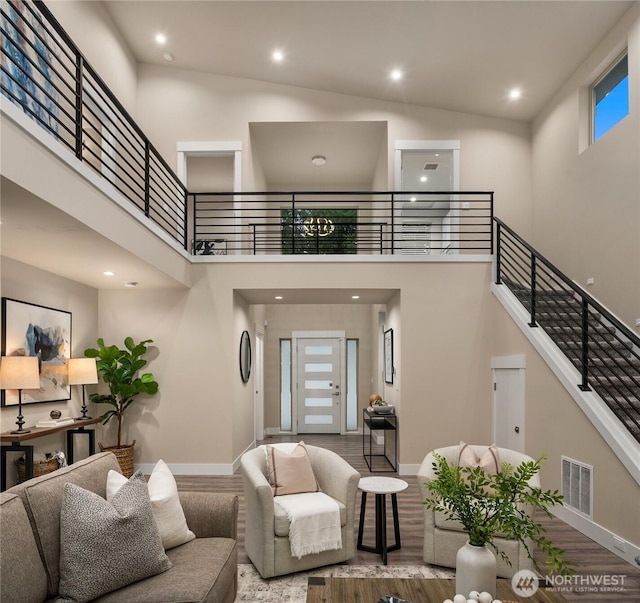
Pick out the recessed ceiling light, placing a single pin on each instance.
(161, 39)
(355, 297)
(278, 297)
(515, 93)
(423, 178)
(167, 56)
(396, 75)
(108, 273)
(277, 56)
(318, 160)
(413, 199)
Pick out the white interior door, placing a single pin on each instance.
(508, 408)
(318, 380)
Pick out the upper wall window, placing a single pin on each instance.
(610, 98)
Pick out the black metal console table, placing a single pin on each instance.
(388, 424)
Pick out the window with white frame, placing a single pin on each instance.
(610, 98)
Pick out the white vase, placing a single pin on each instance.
(475, 570)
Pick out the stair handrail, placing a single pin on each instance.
(616, 322)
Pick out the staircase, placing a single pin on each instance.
(604, 350)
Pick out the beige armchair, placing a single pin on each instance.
(443, 537)
(267, 526)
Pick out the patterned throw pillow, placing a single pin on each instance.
(107, 545)
(290, 473)
(165, 504)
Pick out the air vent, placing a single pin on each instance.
(429, 167)
(577, 486)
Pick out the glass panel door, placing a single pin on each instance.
(318, 385)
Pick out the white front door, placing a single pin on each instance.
(318, 379)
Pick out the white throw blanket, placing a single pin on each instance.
(314, 522)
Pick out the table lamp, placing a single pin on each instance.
(82, 371)
(19, 372)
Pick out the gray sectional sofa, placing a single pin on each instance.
(203, 570)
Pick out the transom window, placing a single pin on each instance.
(610, 98)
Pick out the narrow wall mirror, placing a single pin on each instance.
(245, 356)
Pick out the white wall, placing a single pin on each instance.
(586, 208)
(94, 33)
(177, 105)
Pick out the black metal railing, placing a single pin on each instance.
(410, 223)
(600, 346)
(44, 73)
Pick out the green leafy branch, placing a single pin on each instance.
(490, 503)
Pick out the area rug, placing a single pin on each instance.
(293, 588)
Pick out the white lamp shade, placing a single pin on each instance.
(82, 371)
(19, 372)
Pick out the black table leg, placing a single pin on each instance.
(381, 547)
(381, 526)
(80, 431)
(396, 522)
(28, 465)
(363, 506)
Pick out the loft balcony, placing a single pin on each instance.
(45, 78)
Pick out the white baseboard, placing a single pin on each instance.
(599, 534)
(408, 469)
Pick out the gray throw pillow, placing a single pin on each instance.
(107, 545)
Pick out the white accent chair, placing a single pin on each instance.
(443, 537)
(267, 526)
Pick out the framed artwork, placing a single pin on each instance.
(33, 330)
(388, 356)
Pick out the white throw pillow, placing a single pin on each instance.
(165, 504)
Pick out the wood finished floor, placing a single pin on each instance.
(589, 558)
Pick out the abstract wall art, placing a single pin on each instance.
(34, 330)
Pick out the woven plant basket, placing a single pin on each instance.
(124, 454)
(39, 468)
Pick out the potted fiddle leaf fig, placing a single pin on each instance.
(120, 369)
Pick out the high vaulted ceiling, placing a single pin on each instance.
(458, 55)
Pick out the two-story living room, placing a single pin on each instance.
(415, 192)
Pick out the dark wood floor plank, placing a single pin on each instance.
(588, 557)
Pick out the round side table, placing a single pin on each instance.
(381, 486)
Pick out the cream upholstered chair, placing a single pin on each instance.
(443, 537)
(267, 526)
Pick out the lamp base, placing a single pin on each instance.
(83, 418)
(19, 431)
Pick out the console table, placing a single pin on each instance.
(387, 423)
(16, 444)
